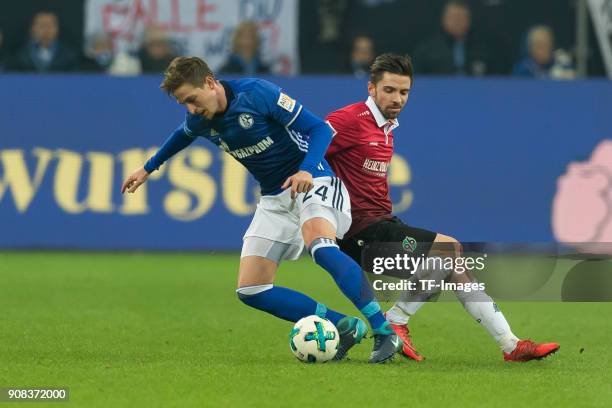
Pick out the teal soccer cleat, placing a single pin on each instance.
(386, 344)
(351, 330)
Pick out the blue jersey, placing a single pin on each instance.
(266, 130)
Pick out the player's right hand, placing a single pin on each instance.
(134, 181)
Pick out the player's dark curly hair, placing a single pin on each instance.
(392, 63)
(185, 70)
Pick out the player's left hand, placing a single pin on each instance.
(134, 181)
(300, 182)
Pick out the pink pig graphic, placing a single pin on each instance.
(582, 207)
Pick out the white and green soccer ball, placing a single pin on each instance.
(314, 339)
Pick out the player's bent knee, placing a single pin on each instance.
(445, 238)
(256, 271)
(449, 243)
(317, 227)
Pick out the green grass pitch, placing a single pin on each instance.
(166, 330)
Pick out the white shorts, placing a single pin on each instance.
(276, 229)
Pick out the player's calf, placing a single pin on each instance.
(349, 277)
(284, 303)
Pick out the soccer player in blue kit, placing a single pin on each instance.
(282, 145)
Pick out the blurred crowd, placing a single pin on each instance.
(45, 52)
(456, 48)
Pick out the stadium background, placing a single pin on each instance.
(479, 158)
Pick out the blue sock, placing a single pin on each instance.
(350, 279)
(285, 303)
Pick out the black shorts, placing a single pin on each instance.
(391, 230)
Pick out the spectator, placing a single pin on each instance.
(542, 62)
(245, 58)
(99, 53)
(362, 56)
(44, 51)
(454, 51)
(157, 52)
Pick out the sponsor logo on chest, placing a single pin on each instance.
(378, 168)
(244, 152)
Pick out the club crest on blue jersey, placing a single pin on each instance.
(245, 120)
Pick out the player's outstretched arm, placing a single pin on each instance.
(134, 180)
(176, 142)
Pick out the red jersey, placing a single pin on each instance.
(360, 153)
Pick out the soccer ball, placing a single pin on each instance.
(314, 339)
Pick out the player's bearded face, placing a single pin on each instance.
(390, 93)
(198, 100)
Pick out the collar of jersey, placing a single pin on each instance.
(378, 116)
(229, 95)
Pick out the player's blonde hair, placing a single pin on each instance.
(185, 70)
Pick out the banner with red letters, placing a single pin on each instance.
(201, 28)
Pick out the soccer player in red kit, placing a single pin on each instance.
(360, 154)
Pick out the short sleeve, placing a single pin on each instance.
(340, 137)
(272, 101)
